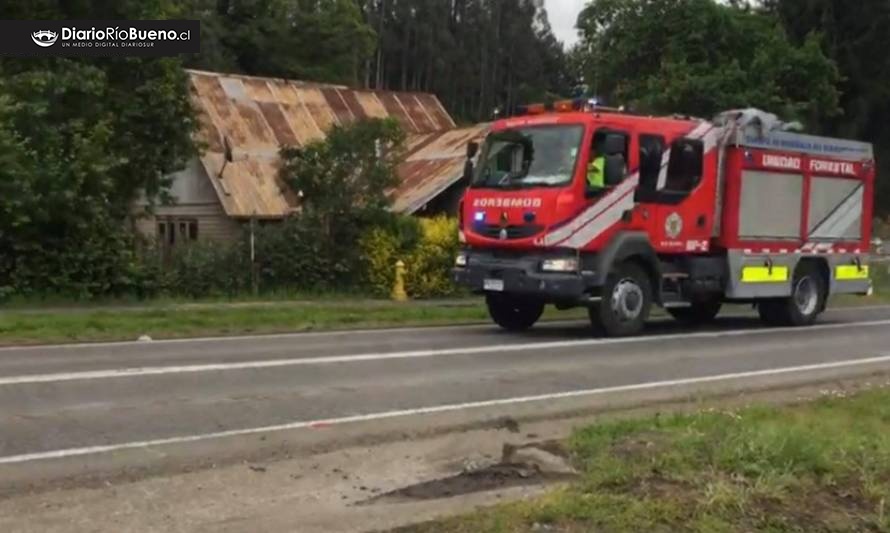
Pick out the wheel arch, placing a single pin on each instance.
(635, 247)
(820, 265)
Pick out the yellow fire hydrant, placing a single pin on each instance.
(398, 288)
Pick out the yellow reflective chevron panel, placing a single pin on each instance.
(850, 272)
(762, 274)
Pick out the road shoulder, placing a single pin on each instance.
(322, 485)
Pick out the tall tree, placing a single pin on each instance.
(475, 54)
(80, 139)
(700, 57)
(854, 35)
(317, 40)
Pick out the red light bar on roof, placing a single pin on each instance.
(560, 106)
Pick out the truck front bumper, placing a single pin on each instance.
(522, 275)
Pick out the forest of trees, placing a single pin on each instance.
(822, 62)
(81, 137)
(474, 54)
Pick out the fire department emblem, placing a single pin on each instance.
(673, 225)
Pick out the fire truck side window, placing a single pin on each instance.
(685, 166)
(651, 151)
(612, 146)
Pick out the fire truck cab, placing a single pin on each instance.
(575, 205)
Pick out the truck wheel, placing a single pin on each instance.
(513, 314)
(627, 300)
(701, 311)
(807, 300)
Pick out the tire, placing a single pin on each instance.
(626, 303)
(513, 314)
(702, 311)
(807, 301)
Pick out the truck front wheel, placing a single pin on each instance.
(512, 313)
(807, 300)
(626, 302)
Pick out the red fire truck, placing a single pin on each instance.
(689, 214)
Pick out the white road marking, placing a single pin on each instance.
(334, 333)
(90, 450)
(414, 354)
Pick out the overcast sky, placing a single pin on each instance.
(563, 14)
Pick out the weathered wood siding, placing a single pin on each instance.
(213, 223)
(194, 199)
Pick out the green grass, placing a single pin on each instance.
(880, 277)
(53, 321)
(185, 321)
(55, 301)
(813, 467)
(102, 324)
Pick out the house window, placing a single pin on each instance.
(183, 230)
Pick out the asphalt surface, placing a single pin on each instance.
(79, 403)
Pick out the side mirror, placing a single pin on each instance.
(472, 149)
(468, 171)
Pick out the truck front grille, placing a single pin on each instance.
(493, 231)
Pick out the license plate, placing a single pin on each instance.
(496, 285)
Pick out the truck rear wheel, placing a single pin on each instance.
(702, 311)
(512, 313)
(807, 300)
(626, 303)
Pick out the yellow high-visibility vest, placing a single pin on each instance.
(596, 173)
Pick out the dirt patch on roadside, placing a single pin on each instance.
(525, 465)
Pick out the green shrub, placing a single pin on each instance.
(379, 254)
(426, 246)
(391, 239)
(208, 269)
(429, 265)
(292, 255)
(880, 277)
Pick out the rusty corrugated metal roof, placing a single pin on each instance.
(254, 117)
(434, 162)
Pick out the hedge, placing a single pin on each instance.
(428, 261)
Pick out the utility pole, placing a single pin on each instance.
(254, 271)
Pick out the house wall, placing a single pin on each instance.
(195, 202)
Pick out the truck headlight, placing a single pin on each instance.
(567, 264)
(460, 260)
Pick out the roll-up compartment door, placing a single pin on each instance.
(770, 205)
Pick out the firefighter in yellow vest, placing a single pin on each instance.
(596, 172)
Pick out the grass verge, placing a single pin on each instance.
(20, 327)
(107, 324)
(24, 323)
(813, 467)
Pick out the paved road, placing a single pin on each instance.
(77, 405)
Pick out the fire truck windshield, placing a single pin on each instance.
(541, 156)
